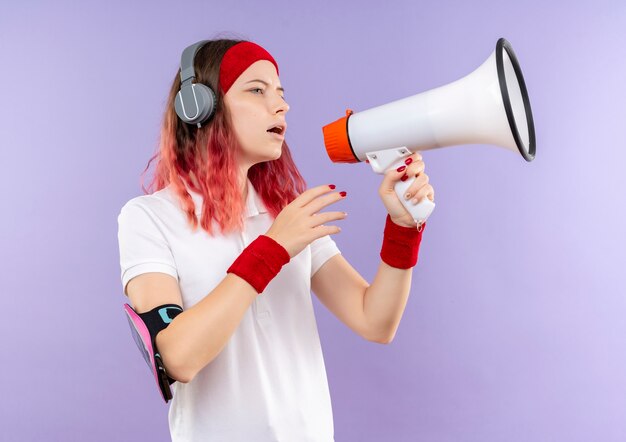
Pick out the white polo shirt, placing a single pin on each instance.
(269, 382)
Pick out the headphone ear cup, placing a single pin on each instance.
(178, 107)
(195, 103)
(206, 102)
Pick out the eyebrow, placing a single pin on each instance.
(266, 84)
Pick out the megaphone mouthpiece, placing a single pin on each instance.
(337, 141)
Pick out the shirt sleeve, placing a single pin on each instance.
(322, 249)
(143, 247)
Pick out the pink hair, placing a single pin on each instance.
(210, 155)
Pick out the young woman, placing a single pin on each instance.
(230, 234)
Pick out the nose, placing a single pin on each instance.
(280, 105)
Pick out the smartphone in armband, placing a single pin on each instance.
(144, 328)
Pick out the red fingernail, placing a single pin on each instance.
(404, 177)
(332, 186)
(400, 169)
(343, 194)
(408, 161)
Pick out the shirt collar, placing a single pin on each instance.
(253, 206)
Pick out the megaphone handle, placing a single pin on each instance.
(420, 211)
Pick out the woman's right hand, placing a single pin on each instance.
(299, 224)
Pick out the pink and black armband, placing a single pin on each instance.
(144, 328)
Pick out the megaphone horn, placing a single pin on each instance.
(488, 106)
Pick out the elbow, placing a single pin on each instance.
(177, 366)
(183, 379)
(381, 338)
(378, 335)
(175, 362)
(179, 373)
(182, 370)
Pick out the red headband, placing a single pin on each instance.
(237, 59)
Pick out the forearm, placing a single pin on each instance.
(197, 335)
(385, 300)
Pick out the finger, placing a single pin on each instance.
(394, 175)
(421, 193)
(321, 231)
(390, 179)
(416, 168)
(401, 173)
(414, 158)
(323, 201)
(419, 182)
(326, 217)
(431, 195)
(310, 194)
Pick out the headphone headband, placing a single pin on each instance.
(187, 71)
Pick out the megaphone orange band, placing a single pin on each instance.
(337, 141)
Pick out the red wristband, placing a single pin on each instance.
(260, 262)
(401, 245)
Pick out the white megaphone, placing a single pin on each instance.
(488, 106)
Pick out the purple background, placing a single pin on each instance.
(515, 329)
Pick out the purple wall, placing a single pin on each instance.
(515, 329)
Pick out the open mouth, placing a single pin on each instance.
(278, 129)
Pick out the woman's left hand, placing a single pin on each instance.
(414, 167)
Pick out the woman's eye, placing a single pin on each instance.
(256, 89)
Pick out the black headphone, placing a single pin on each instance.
(195, 102)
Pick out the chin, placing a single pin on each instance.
(277, 153)
(273, 157)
